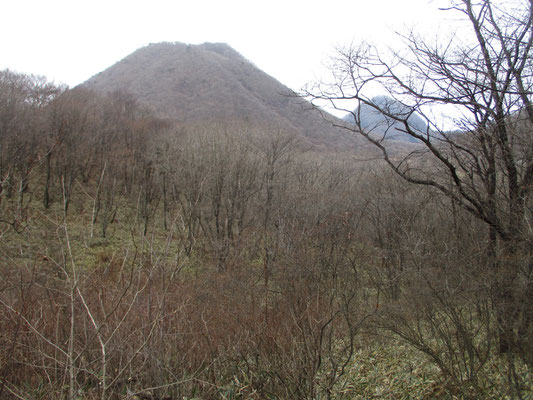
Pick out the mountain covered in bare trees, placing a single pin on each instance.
(213, 83)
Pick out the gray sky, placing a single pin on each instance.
(68, 41)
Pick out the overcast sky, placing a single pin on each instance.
(68, 41)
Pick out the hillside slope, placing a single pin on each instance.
(212, 83)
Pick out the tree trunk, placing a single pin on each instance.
(46, 197)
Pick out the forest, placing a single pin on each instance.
(142, 258)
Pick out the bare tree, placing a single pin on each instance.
(215, 183)
(73, 128)
(486, 164)
(23, 100)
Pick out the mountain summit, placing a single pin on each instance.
(212, 82)
(373, 120)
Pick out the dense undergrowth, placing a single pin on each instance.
(144, 260)
(317, 315)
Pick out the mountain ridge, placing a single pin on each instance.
(374, 121)
(212, 82)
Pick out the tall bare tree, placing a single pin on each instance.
(486, 164)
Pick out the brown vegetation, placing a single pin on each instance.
(145, 259)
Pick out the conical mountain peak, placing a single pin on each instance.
(212, 82)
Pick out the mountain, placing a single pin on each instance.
(213, 83)
(372, 120)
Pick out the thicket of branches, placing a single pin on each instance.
(483, 77)
(144, 259)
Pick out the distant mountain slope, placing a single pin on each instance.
(374, 121)
(213, 83)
